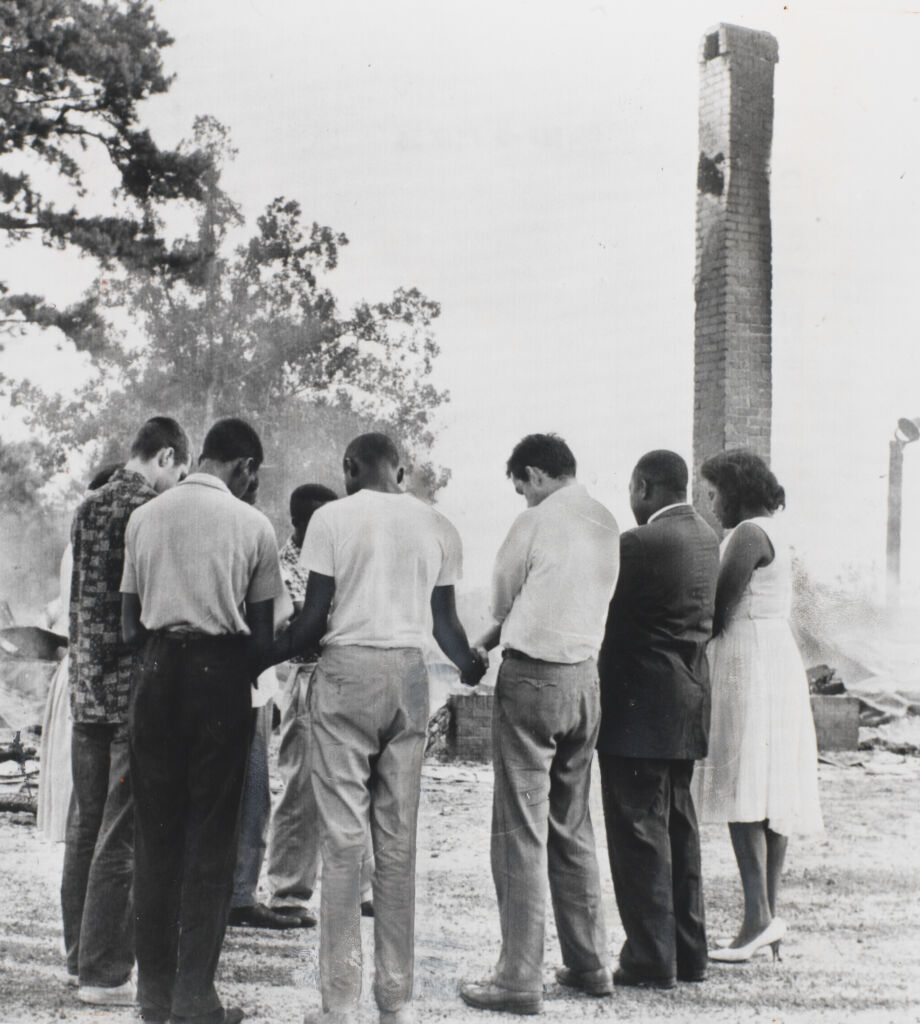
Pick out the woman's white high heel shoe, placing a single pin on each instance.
(771, 936)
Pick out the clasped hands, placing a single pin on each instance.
(477, 669)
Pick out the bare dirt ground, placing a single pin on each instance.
(851, 900)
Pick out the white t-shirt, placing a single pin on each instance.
(386, 552)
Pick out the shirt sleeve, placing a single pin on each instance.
(511, 565)
(129, 572)
(631, 577)
(266, 583)
(452, 562)
(318, 551)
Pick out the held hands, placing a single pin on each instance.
(480, 662)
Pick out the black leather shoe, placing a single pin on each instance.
(623, 977)
(486, 995)
(367, 908)
(692, 975)
(302, 916)
(259, 916)
(594, 983)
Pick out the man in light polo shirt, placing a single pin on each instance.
(382, 568)
(201, 576)
(553, 579)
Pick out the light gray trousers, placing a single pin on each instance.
(294, 835)
(544, 726)
(369, 712)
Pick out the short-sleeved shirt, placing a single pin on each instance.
(100, 666)
(197, 555)
(386, 552)
(554, 577)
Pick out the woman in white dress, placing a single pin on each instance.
(55, 783)
(761, 774)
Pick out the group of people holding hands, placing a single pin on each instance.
(682, 674)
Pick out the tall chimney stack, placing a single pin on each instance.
(733, 324)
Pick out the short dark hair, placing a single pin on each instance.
(102, 475)
(743, 479)
(372, 449)
(664, 468)
(230, 439)
(306, 498)
(542, 451)
(161, 432)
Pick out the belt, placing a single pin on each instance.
(510, 652)
(178, 636)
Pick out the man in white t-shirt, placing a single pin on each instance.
(382, 568)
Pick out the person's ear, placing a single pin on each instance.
(535, 476)
(166, 457)
(350, 466)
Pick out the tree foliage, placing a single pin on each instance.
(33, 530)
(72, 74)
(24, 473)
(256, 332)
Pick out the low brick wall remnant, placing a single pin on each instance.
(469, 736)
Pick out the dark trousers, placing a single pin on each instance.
(190, 729)
(654, 846)
(99, 858)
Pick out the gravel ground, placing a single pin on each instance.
(851, 955)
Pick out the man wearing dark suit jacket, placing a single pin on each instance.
(654, 724)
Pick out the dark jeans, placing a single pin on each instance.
(190, 732)
(654, 846)
(99, 858)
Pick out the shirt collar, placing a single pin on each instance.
(667, 508)
(206, 480)
(570, 490)
(131, 476)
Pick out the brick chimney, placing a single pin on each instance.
(732, 375)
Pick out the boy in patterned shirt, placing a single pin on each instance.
(98, 869)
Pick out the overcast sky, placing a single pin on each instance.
(532, 167)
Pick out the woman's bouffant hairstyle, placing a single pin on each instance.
(743, 480)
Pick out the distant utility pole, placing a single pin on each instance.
(908, 431)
